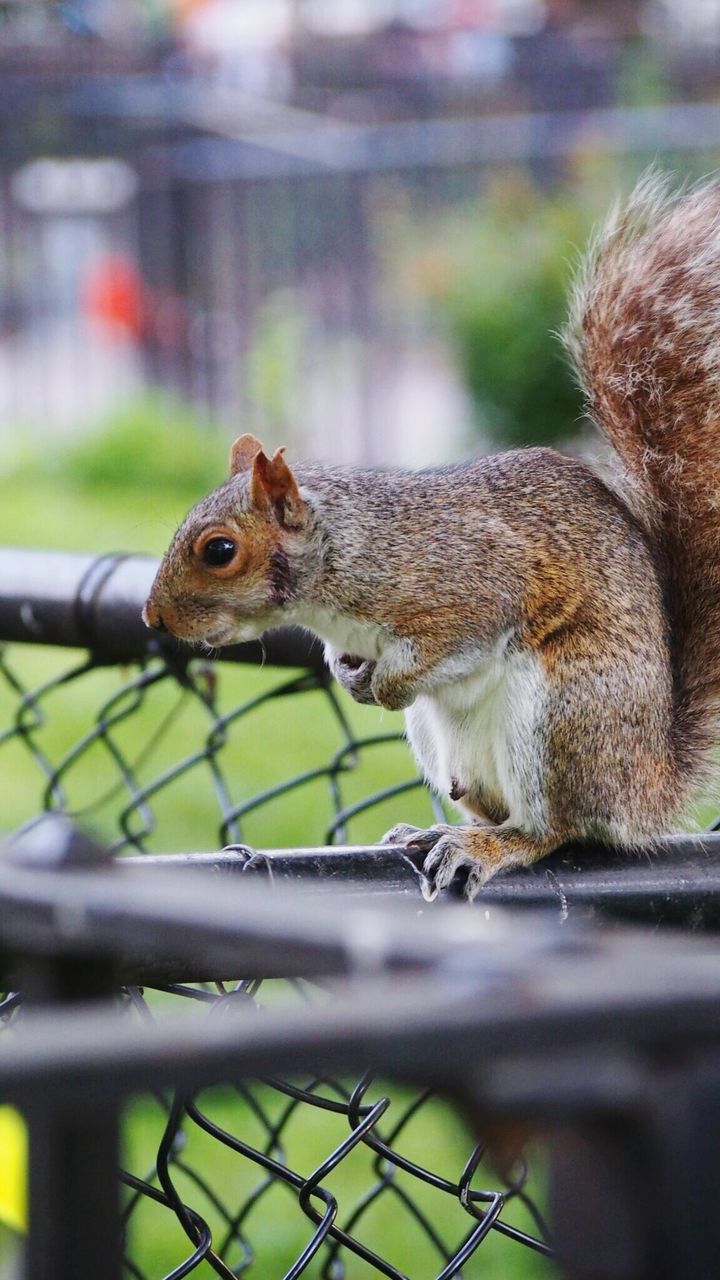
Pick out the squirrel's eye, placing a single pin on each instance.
(218, 552)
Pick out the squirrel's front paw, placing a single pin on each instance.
(354, 674)
(390, 693)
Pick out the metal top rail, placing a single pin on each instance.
(95, 602)
(286, 147)
(474, 980)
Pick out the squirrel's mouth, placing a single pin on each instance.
(159, 621)
(235, 632)
(216, 639)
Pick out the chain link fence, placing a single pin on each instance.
(171, 724)
(328, 1176)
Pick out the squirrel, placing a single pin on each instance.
(552, 636)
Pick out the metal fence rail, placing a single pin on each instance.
(610, 1039)
(355, 1177)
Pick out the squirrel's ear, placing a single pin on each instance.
(242, 453)
(273, 482)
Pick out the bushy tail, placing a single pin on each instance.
(644, 334)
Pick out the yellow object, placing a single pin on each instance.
(13, 1169)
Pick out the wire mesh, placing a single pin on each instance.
(320, 1177)
(110, 746)
(334, 1183)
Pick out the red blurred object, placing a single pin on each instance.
(113, 295)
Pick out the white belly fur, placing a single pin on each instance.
(485, 731)
(482, 729)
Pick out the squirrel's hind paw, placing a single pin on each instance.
(483, 850)
(445, 859)
(401, 833)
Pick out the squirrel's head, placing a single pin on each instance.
(237, 558)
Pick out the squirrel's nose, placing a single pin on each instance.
(152, 617)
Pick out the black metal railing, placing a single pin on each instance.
(312, 975)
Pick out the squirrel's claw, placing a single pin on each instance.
(444, 847)
(447, 855)
(402, 833)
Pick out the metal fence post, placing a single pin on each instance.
(74, 1223)
(601, 1201)
(687, 1134)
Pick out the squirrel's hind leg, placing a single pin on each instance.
(483, 849)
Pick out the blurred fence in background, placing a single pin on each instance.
(245, 251)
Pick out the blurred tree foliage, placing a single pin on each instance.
(499, 274)
(154, 445)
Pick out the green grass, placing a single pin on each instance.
(277, 1227)
(123, 488)
(279, 739)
